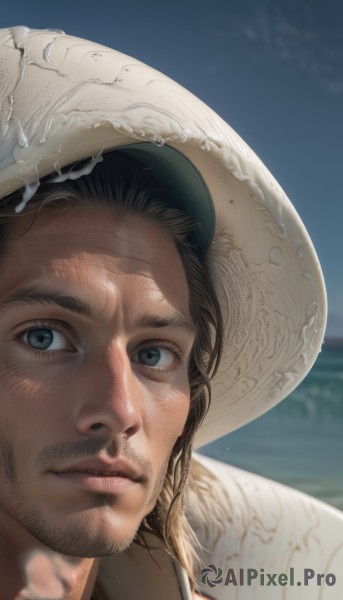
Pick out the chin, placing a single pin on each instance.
(83, 535)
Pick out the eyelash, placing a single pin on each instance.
(164, 345)
(44, 324)
(58, 326)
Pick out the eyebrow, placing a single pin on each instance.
(75, 304)
(176, 319)
(40, 296)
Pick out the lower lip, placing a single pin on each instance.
(99, 483)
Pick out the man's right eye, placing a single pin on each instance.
(46, 337)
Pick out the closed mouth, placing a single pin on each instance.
(94, 472)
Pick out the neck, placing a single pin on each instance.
(31, 570)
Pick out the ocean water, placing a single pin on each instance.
(300, 441)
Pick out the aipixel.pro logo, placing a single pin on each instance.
(211, 576)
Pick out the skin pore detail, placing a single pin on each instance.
(95, 340)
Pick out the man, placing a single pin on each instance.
(130, 260)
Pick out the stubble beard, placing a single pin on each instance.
(75, 540)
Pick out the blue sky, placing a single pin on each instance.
(273, 69)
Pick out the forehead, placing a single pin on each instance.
(92, 247)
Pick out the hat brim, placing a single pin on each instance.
(70, 99)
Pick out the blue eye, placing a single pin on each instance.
(154, 356)
(42, 338)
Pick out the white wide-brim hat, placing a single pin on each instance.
(64, 99)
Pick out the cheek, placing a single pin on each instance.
(27, 386)
(165, 424)
(17, 389)
(8, 469)
(28, 412)
(23, 399)
(165, 419)
(21, 375)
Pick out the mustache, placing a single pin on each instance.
(89, 449)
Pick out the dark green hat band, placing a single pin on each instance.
(183, 183)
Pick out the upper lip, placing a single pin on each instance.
(119, 467)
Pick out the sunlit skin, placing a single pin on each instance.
(102, 377)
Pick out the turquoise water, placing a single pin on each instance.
(300, 441)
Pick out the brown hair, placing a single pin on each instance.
(124, 186)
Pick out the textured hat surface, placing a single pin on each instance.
(63, 99)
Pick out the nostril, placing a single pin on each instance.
(130, 431)
(96, 426)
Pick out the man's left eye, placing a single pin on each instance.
(43, 338)
(156, 357)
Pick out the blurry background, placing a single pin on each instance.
(274, 70)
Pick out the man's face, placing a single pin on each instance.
(95, 337)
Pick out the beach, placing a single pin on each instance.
(300, 441)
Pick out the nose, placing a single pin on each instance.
(109, 396)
